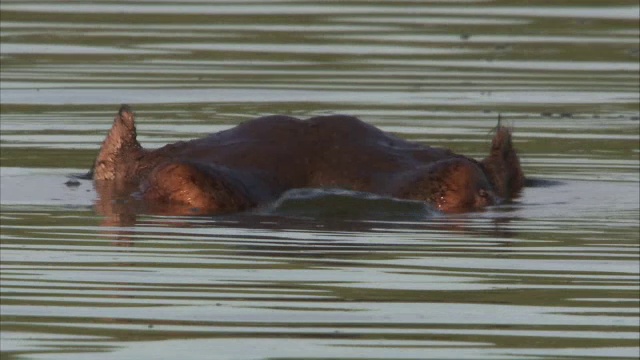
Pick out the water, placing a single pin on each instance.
(323, 275)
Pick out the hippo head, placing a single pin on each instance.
(257, 161)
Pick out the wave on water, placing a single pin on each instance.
(346, 204)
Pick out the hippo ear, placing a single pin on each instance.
(126, 115)
(119, 149)
(502, 166)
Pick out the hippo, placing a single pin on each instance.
(255, 162)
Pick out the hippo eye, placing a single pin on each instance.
(486, 197)
(483, 194)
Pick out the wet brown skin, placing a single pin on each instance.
(256, 161)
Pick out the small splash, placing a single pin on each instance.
(347, 205)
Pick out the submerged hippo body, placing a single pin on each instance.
(256, 161)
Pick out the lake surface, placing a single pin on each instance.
(552, 276)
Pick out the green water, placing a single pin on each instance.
(554, 275)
